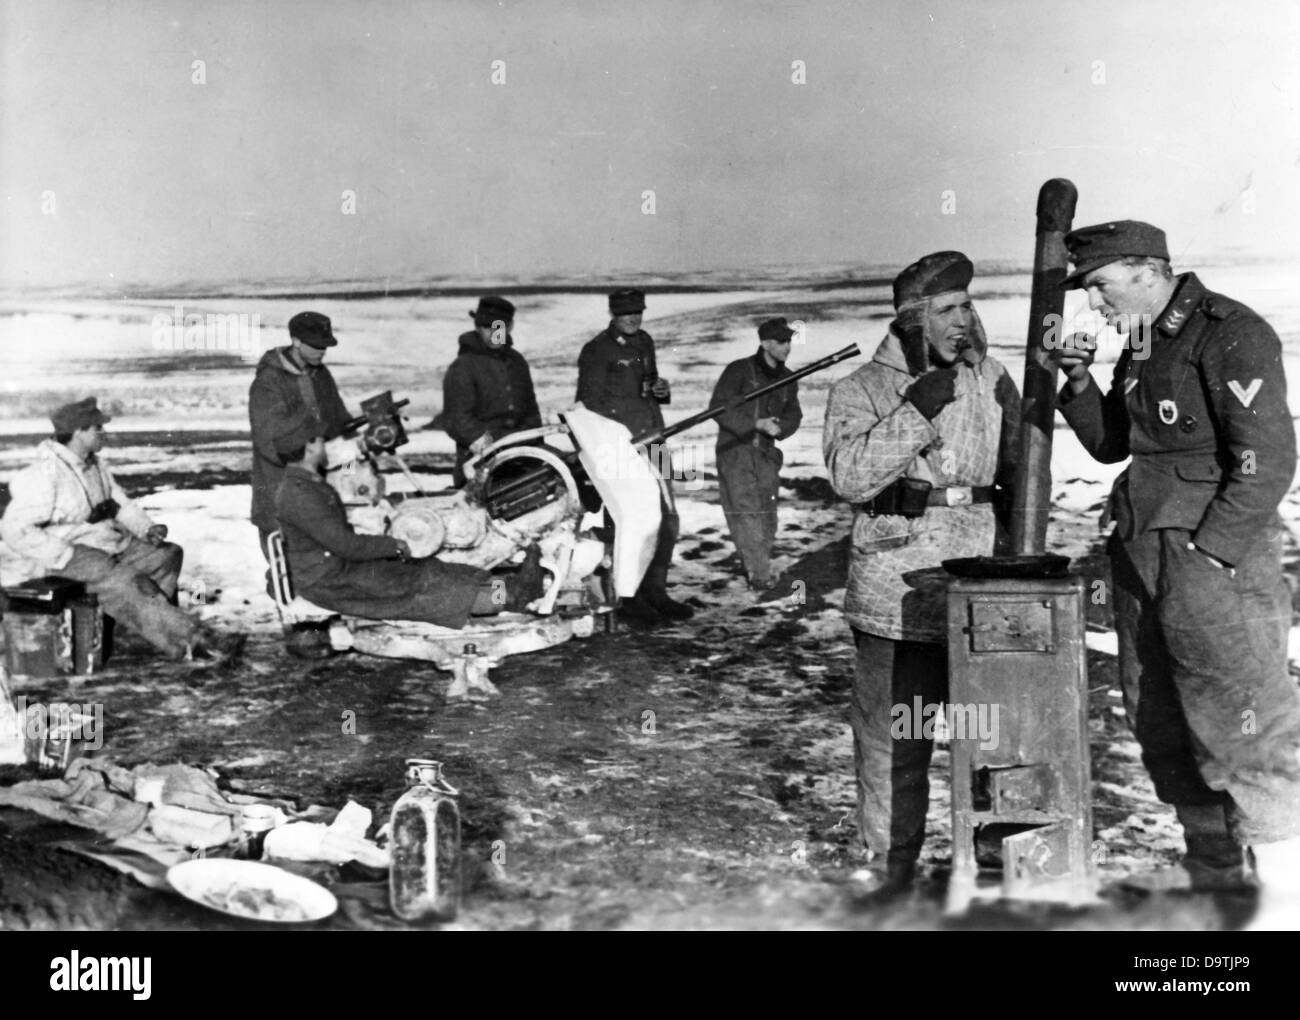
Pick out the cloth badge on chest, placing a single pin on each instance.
(1168, 411)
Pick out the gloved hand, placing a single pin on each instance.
(933, 391)
(769, 426)
(480, 444)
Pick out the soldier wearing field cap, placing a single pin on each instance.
(488, 390)
(1198, 402)
(916, 440)
(619, 378)
(292, 388)
(749, 461)
(68, 517)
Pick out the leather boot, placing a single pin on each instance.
(1214, 861)
(637, 610)
(881, 883)
(663, 604)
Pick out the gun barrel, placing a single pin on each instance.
(668, 431)
(531, 479)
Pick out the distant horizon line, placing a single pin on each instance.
(408, 285)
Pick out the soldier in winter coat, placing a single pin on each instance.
(292, 389)
(916, 439)
(68, 517)
(488, 390)
(373, 576)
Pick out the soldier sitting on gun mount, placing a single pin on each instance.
(68, 517)
(292, 389)
(373, 576)
(488, 391)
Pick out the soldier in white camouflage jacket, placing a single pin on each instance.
(917, 440)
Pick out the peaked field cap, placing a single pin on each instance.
(626, 301)
(493, 309)
(775, 329)
(936, 273)
(81, 415)
(295, 438)
(313, 329)
(1093, 247)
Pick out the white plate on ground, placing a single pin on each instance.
(252, 890)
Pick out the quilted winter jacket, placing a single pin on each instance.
(49, 509)
(873, 437)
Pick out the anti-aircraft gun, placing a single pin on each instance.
(523, 489)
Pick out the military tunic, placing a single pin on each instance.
(611, 370)
(360, 575)
(1204, 417)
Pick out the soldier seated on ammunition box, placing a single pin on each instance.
(374, 576)
(69, 518)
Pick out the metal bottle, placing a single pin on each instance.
(424, 879)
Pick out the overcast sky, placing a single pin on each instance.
(116, 165)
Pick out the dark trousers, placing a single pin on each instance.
(655, 581)
(748, 481)
(1202, 656)
(893, 771)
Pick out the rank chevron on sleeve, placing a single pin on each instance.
(1246, 394)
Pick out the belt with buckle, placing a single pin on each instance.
(887, 502)
(960, 495)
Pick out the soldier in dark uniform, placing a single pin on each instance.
(373, 576)
(487, 391)
(618, 378)
(749, 461)
(1198, 401)
(292, 389)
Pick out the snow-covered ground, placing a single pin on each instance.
(57, 349)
